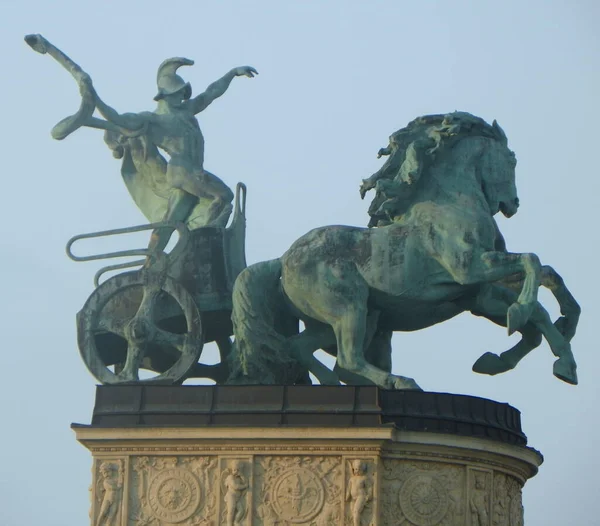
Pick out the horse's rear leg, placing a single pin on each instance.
(370, 337)
(337, 295)
(378, 353)
(350, 331)
(303, 345)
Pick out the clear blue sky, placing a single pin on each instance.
(336, 78)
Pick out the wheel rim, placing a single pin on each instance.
(138, 329)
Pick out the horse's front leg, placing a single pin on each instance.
(529, 264)
(569, 308)
(493, 304)
(492, 364)
(473, 268)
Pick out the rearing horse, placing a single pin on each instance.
(439, 257)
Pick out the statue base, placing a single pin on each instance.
(315, 455)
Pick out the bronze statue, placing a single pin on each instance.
(433, 250)
(437, 254)
(168, 191)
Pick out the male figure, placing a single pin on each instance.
(112, 482)
(173, 128)
(235, 485)
(136, 137)
(501, 502)
(359, 490)
(479, 502)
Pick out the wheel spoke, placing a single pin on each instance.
(135, 355)
(110, 323)
(146, 308)
(118, 326)
(172, 339)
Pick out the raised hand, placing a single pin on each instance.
(384, 151)
(366, 185)
(245, 71)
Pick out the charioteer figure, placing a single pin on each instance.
(179, 189)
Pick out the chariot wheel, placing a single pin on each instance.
(121, 329)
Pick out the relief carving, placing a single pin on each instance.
(234, 487)
(501, 502)
(287, 490)
(174, 495)
(479, 502)
(298, 490)
(174, 490)
(110, 491)
(422, 494)
(359, 493)
(424, 500)
(516, 502)
(507, 507)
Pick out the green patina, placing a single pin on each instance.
(433, 250)
(179, 189)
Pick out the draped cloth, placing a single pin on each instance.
(143, 168)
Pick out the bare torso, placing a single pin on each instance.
(178, 134)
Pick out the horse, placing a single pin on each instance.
(352, 287)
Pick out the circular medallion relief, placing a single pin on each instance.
(423, 499)
(297, 495)
(174, 495)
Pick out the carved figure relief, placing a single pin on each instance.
(516, 506)
(422, 494)
(479, 501)
(298, 490)
(507, 507)
(234, 487)
(501, 502)
(359, 493)
(111, 481)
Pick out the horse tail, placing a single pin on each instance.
(262, 323)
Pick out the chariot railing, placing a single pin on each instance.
(180, 245)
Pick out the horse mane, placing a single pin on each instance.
(444, 129)
(417, 145)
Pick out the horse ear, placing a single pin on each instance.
(499, 132)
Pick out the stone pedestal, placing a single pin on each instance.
(355, 456)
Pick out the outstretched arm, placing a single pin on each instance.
(125, 121)
(217, 88)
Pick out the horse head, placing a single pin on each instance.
(497, 173)
(446, 142)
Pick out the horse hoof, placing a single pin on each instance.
(490, 363)
(401, 382)
(565, 371)
(516, 317)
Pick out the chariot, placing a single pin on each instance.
(158, 317)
